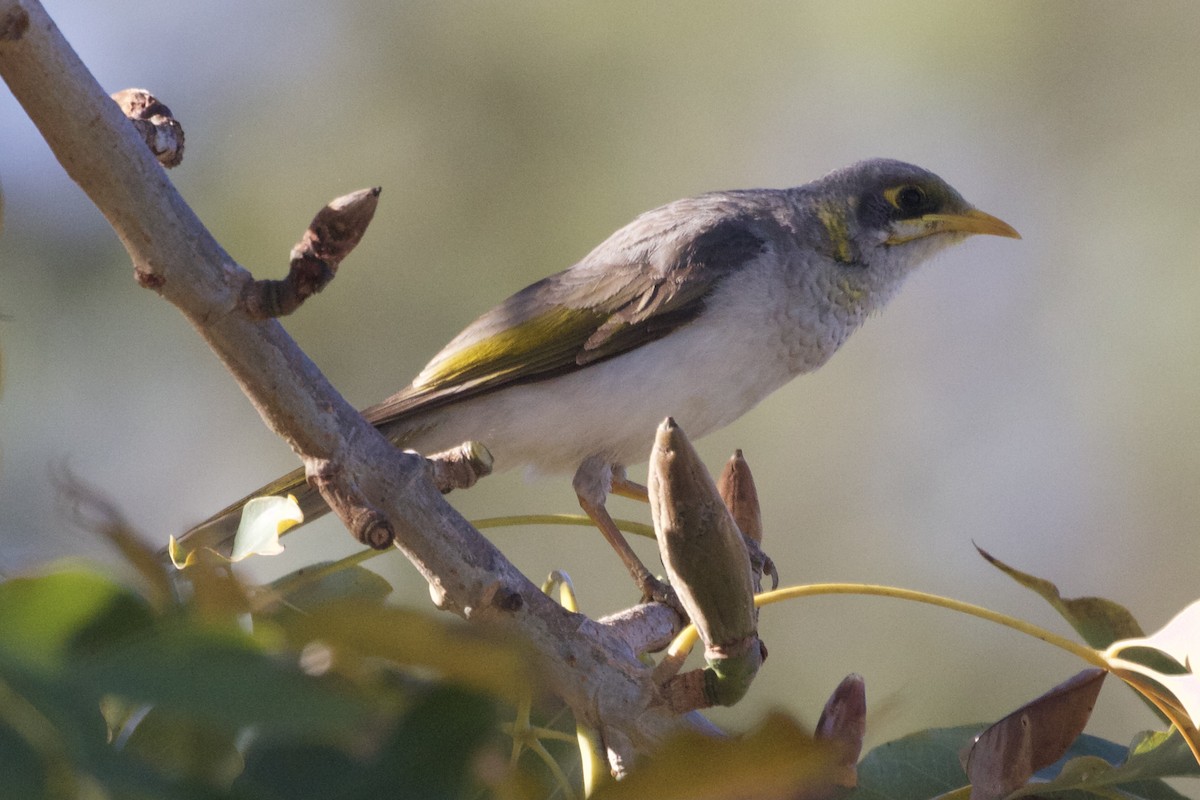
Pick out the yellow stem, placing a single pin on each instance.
(687, 638)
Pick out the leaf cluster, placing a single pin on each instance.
(303, 689)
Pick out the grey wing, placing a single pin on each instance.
(657, 301)
(644, 282)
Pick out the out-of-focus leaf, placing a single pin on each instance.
(182, 747)
(462, 654)
(1007, 754)
(213, 593)
(310, 587)
(1099, 621)
(428, 755)
(263, 519)
(777, 760)
(180, 558)
(21, 772)
(1179, 643)
(95, 514)
(58, 721)
(297, 771)
(221, 677)
(41, 617)
(432, 750)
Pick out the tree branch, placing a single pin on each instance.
(365, 479)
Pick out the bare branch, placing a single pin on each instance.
(460, 467)
(593, 670)
(334, 232)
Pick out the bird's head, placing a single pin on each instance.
(878, 219)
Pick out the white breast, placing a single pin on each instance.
(752, 338)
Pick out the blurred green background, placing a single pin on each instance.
(1039, 397)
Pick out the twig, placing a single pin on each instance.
(155, 122)
(334, 232)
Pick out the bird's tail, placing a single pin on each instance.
(217, 531)
(394, 419)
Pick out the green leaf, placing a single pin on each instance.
(926, 764)
(431, 751)
(1099, 621)
(182, 747)
(1098, 768)
(464, 654)
(42, 618)
(313, 586)
(222, 677)
(298, 771)
(428, 755)
(1159, 754)
(1165, 676)
(918, 766)
(22, 772)
(98, 516)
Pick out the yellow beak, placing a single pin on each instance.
(971, 221)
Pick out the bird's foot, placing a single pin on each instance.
(761, 564)
(655, 590)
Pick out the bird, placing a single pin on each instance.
(697, 310)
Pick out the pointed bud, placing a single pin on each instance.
(706, 559)
(737, 489)
(843, 722)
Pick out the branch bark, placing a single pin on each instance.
(591, 665)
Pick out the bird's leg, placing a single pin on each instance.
(593, 482)
(623, 487)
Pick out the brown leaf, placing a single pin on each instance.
(1006, 755)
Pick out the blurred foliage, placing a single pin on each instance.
(101, 696)
(314, 687)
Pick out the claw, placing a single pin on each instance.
(655, 590)
(761, 564)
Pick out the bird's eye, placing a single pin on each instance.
(909, 199)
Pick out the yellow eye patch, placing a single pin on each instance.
(908, 198)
